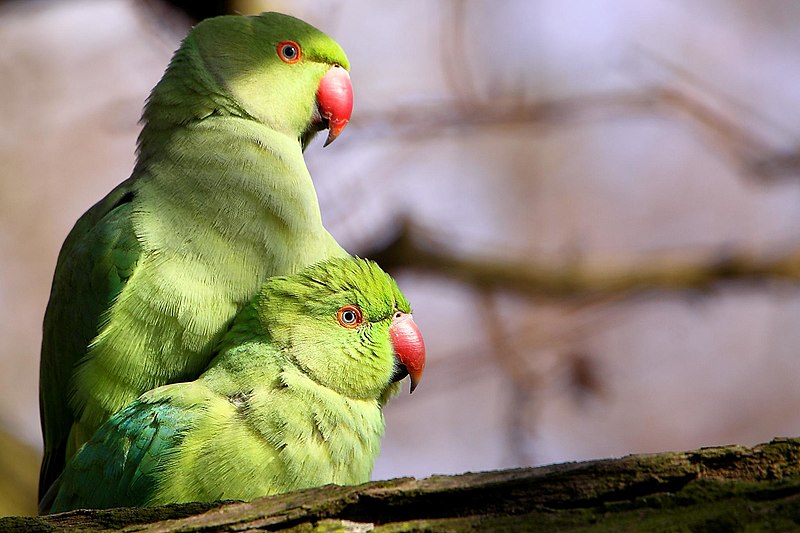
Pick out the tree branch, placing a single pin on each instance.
(714, 489)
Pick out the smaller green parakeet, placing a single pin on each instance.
(292, 399)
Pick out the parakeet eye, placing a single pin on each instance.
(289, 51)
(349, 316)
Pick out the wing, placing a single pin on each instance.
(94, 264)
(120, 465)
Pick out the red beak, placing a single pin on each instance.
(409, 347)
(335, 100)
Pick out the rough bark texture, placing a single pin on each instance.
(728, 488)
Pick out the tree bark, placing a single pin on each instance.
(726, 488)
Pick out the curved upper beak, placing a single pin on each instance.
(335, 101)
(409, 348)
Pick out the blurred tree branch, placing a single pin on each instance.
(741, 145)
(753, 154)
(417, 249)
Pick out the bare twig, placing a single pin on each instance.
(421, 122)
(752, 152)
(524, 381)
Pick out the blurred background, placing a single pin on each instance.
(593, 206)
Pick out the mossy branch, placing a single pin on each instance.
(721, 489)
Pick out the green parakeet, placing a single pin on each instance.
(293, 399)
(220, 199)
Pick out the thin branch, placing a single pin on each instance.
(524, 381)
(754, 154)
(455, 63)
(420, 122)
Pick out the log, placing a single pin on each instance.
(724, 488)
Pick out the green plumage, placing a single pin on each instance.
(219, 200)
(292, 400)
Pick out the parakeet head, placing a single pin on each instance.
(345, 323)
(271, 68)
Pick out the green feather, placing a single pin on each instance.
(220, 199)
(292, 400)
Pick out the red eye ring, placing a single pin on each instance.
(289, 51)
(349, 316)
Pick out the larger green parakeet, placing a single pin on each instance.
(220, 198)
(292, 400)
